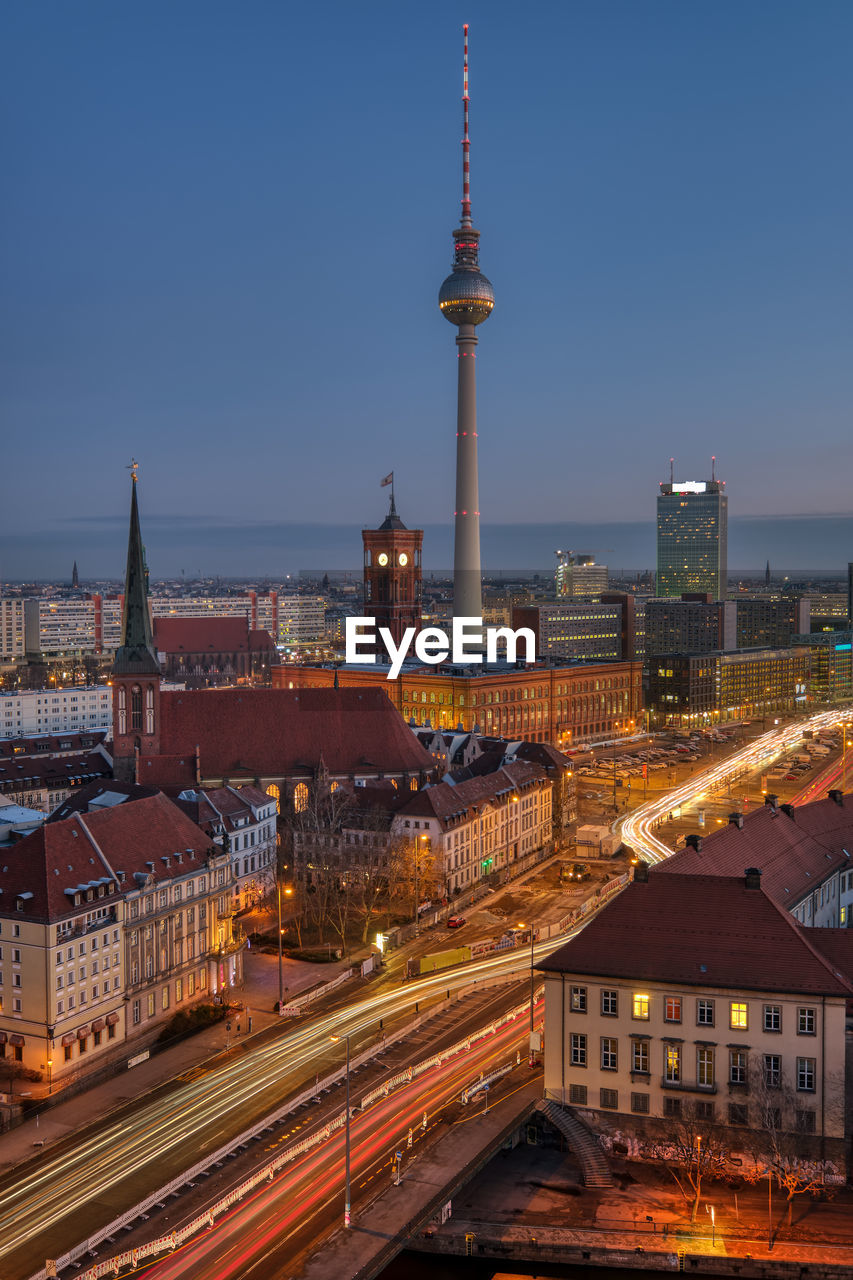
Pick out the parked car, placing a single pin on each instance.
(456, 922)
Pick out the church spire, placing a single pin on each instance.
(135, 655)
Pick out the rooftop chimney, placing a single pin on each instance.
(736, 820)
(772, 800)
(837, 796)
(693, 842)
(789, 810)
(752, 878)
(641, 872)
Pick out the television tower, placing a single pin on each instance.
(466, 298)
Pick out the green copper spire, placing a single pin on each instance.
(135, 655)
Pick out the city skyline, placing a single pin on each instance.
(164, 295)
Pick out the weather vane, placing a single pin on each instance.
(133, 467)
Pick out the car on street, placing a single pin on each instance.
(456, 922)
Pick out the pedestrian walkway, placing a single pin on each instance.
(258, 995)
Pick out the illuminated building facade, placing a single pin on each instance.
(692, 534)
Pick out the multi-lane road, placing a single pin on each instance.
(638, 827)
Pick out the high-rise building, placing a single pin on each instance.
(466, 298)
(578, 576)
(692, 537)
(392, 574)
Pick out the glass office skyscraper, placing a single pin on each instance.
(692, 538)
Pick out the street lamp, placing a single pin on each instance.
(288, 893)
(530, 1053)
(347, 1215)
(416, 861)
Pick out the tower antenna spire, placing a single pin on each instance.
(713, 467)
(672, 471)
(466, 141)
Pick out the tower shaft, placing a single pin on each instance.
(467, 583)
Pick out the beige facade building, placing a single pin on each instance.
(110, 922)
(695, 998)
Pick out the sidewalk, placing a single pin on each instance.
(195, 1054)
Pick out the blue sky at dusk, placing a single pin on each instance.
(224, 227)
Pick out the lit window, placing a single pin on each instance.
(641, 1007)
(672, 1063)
(739, 1016)
(672, 1009)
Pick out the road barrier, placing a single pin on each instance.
(112, 1266)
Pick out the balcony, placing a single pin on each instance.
(688, 1086)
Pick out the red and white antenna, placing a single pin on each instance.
(466, 141)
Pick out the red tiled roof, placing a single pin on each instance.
(836, 946)
(703, 931)
(279, 732)
(44, 745)
(446, 801)
(794, 853)
(27, 772)
(200, 635)
(65, 855)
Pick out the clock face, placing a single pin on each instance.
(404, 559)
(382, 558)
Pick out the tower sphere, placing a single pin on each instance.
(466, 297)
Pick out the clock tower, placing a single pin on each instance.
(392, 574)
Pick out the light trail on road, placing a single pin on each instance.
(637, 826)
(265, 1221)
(65, 1197)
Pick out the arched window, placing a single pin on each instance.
(273, 790)
(300, 797)
(413, 784)
(149, 709)
(122, 709)
(136, 707)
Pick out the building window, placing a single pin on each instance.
(640, 1007)
(738, 1113)
(805, 1022)
(672, 1108)
(705, 1068)
(773, 1017)
(704, 1111)
(738, 1016)
(578, 999)
(609, 1003)
(672, 1063)
(609, 1099)
(737, 1066)
(772, 1070)
(179, 990)
(805, 1121)
(152, 1004)
(136, 708)
(300, 797)
(640, 1056)
(164, 999)
(577, 1095)
(608, 1053)
(640, 1103)
(704, 1013)
(578, 1048)
(672, 1009)
(806, 1075)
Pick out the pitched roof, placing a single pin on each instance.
(44, 745)
(269, 732)
(107, 792)
(201, 635)
(27, 772)
(86, 850)
(795, 850)
(448, 801)
(702, 931)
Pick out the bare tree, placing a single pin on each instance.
(694, 1149)
(781, 1143)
